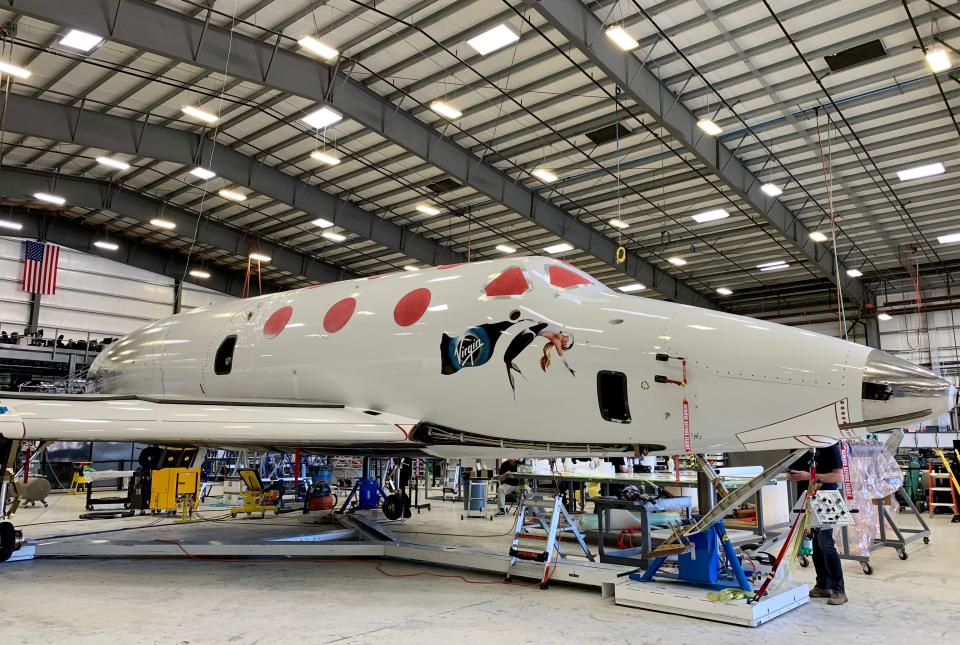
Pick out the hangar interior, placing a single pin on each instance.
(785, 161)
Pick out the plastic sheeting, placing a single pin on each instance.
(874, 475)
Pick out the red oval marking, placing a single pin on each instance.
(339, 315)
(277, 322)
(512, 282)
(411, 307)
(564, 278)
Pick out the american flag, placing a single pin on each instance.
(40, 267)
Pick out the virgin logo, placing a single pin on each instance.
(468, 349)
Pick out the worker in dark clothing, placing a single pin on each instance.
(507, 484)
(406, 474)
(826, 560)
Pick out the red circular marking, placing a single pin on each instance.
(339, 315)
(512, 282)
(411, 307)
(277, 322)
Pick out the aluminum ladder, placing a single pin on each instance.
(543, 512)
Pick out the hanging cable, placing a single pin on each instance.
(825, 165)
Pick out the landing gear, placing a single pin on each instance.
(10, 540)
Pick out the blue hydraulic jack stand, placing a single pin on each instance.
(701, 566)
(368, 492)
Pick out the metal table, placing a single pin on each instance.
(633, 556)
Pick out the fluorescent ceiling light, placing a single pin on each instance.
(107, 246)
(618, 223)
(774, 267)
(324, 157)
(197, 273)
(503, 248)
(445, 110)
(884, 317)
(163, 223)
(333, 237)
(677, 262)
(621, 38)
(232, 195)
(919, 172)
(13, 70)
(558, 248)
(197, 113)
(113, 163)
(817, 236)
(544, 175)
(723, 291)
(774, 263)
(76, 39)
(771, 190)
(50, 199)
(708, 126)
(259, 257)
(317, 47)
(854, 273)
(630, 288)
(950, 238)
(203, 173)
(13, 226)
(322, 223)
(321, 118)
(494, 39)
(427, 209)
(938, 60)
(711, 216)
(411, 267)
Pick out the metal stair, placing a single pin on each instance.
(543, 512)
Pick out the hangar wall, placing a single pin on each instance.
(95, 295)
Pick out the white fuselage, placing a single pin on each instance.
(750, 384)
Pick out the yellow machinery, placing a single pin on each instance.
(253, 495)
(169, 485)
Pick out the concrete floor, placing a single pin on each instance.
(189, 601)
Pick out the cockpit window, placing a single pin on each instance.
(511, 283)
(223, 362)
(565, 278)
(612, 396)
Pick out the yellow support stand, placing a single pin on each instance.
(253, 496)
(78, 485)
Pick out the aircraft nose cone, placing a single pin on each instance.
(901, 392)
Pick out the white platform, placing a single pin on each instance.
(685, 600)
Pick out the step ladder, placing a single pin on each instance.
(543, 512)
(942, 481)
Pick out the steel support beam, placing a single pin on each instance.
(79, 236)
(19, 184)
(195, 42)
(34, 319)
(585, 31)
(35, 117)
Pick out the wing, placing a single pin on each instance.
(227, 423)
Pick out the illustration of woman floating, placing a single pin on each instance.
(475, 347)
